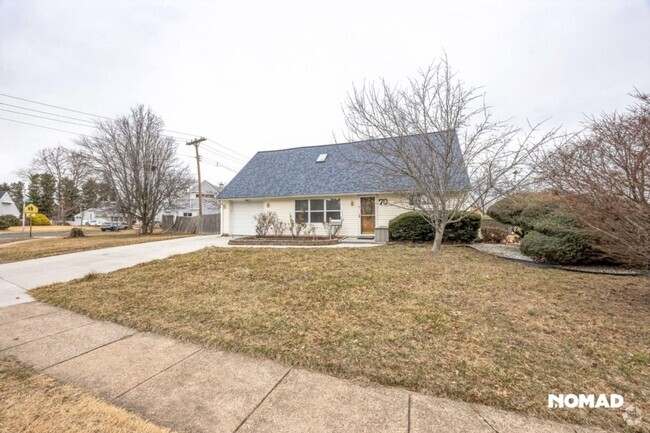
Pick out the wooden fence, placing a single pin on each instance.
(190, 225)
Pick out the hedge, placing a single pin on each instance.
(569, 248)
(40, 220)
(411, 226)
(8, 220)
(550, 235)
(523, 209)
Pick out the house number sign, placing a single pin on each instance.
(383, 201)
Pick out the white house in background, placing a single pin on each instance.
(96, 216)
(321, 183)
(7, 205)
(189, 205)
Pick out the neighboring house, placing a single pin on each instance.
(189, 205)
(97, 216)
(7, 205)
(318, 183)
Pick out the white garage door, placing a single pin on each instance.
(241, 217)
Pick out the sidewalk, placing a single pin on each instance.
(193, 389)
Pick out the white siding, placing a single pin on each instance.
(349, 213)
(392, 207)
(225, 217)
(7, 206)
(283, 207)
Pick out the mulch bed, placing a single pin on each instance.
(284, 241)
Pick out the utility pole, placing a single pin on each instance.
(196, 143)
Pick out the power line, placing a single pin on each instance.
(230, 150)
(54, 106)
(44, 127)
(47, 118)
(210, 162)
(79, 111)
(45, 112)
(232, 158)
(183, 133)
(223, 155)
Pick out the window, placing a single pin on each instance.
(333, 207)
(187, 214)
(316, 211)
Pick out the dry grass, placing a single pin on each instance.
(35, 248)
(46, 229)
(457, 324)
(32, 402)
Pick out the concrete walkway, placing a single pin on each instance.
(19, 277)
(193, 389)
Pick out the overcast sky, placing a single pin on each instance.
(260, 75)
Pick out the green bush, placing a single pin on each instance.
(549, 233)
(465, 230)
(411, 226)
(567, 248)
(40, 220)
(4, 225)
(9, 221)
(556, 224)
(523, 209)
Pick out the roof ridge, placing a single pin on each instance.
(349, 142)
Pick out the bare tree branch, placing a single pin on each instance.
(440, 135)
(139, 163)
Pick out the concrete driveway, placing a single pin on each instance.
(19, 277)
(16, 278)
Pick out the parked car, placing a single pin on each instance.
(121, 225)
(109, 226)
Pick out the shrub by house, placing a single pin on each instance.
(412, 226)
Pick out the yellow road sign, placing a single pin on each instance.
(30, 210)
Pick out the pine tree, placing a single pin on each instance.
(90, 194)
(48, 191)
(34, 189)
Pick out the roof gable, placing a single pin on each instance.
(296, 172)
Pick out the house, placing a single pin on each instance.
(7, 205)
(96, 216)
(319, 183)
(189, 205)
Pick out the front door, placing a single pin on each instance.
(367, 215)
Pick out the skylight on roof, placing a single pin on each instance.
(322, 157)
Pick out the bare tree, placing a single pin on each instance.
(604, 177)
(139, 163)
(440, 135)
(69, 169)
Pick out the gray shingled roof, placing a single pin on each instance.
(295, 172)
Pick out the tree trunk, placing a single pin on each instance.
(437, 240)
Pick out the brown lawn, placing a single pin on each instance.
(94, 239)
(457, 324)
(32, 402)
